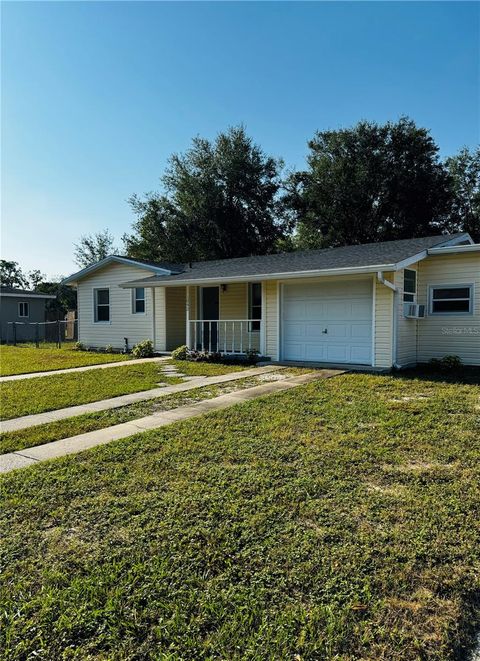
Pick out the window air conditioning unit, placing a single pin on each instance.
(414, 311)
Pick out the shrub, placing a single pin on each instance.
(143, 349)
(447, 363)
(79, 346)
(109, 348)
(180, 353)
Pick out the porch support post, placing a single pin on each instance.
(154, 339)
(263, 321)
(187, 317)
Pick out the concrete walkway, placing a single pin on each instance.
(85, 368)
(74, 444)
(123, 400)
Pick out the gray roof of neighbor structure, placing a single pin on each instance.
(369, 255)
(25, 293)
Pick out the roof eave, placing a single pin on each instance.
(350, 270)
(83, 273)
(451, 250)
(18, 295)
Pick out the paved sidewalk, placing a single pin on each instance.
(122, 400)
(74, 444)
(85, 368)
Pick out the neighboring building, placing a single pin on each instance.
(357, 305)
(24, 307)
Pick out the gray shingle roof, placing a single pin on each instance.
(23, 292)
(365, 255)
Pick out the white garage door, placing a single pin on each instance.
(328, 322)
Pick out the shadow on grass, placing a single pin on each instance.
(463, 375)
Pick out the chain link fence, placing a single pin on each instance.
(42, 332)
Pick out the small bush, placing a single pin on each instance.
(446, 364)
(143, 349)
(79, 346)
(180, 353)
(108, 348)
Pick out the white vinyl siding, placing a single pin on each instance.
(441, 335)
(383, 337)
(123, 323)
(406, 329)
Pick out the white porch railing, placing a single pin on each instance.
(228, 336)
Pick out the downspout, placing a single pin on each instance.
(381, 278)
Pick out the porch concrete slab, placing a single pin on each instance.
(85, 368)
(82, 442)
(123, 400)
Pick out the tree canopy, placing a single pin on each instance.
(92, 248)
(220, 199)
(464, 170)
(370, 183)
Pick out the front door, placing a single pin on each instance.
(210, 314)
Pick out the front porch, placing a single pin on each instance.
(225, 318)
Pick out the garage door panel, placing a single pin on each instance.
(359, 354)
(315, 351)
(295, 331)
(337, 331)
(295, 350)
(338, 353)
(344, 310)
(363, 331)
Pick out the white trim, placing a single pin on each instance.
(263, 334)
(374, 317)
(154, 330)
(23, 316)
(409, 293)
(452, 250)
(471, 299)
(134, 300)
(94, 297)
(395, 329)
(13, 295)
(207, 282)
(279, 320)
(109, 260)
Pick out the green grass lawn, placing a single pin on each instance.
(339, 520)
(53, 431)
(48, 393)
(27, 358)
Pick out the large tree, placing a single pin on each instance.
(92, 248)
(11, 275)
(219, 199)
(464, 170)
(368, 183)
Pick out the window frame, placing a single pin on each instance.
(20, 304)
(135, 300)
(455, 313)
(409, 293)
(251, 306)
(96, 320)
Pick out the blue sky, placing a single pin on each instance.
(96, 96)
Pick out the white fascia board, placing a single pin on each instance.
(447, 245)
(9, 294)
(451, 250)
(350, 270)
(75, 277)
(456, 240)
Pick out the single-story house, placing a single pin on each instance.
(22, 307)
(387, 304)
